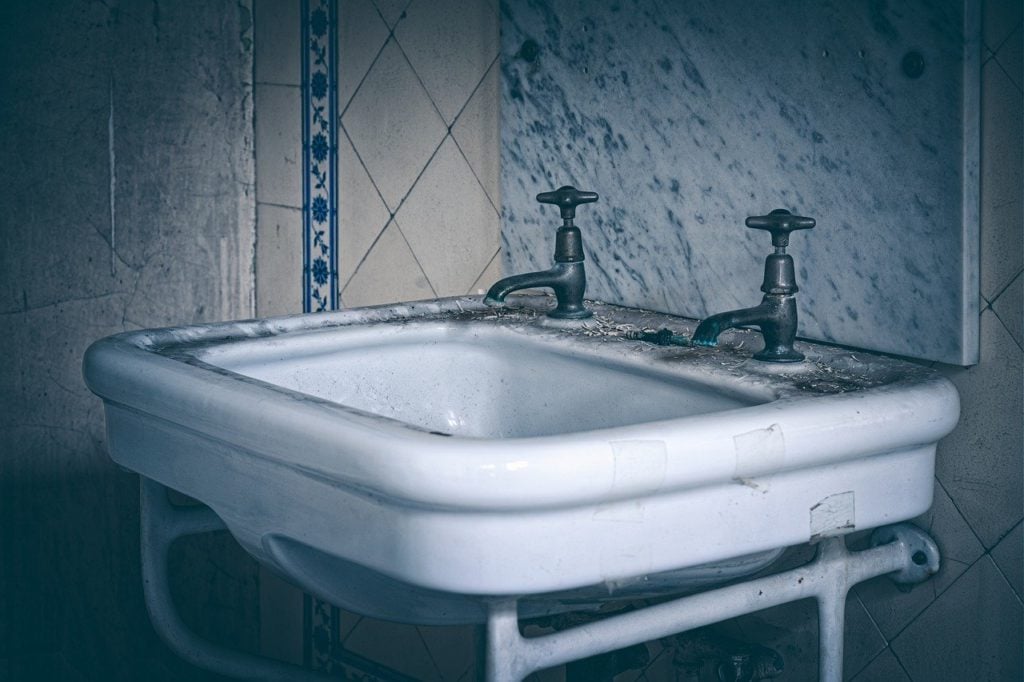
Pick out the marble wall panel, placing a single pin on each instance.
(688, 117)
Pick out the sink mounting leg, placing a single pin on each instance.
(903, 550)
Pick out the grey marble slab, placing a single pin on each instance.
(688, 117)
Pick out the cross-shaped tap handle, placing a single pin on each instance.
(567, 198)
(780, 223)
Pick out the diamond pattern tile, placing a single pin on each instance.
(450, 44)
(361, 34)
(393, 125)
(972, 632)
(491, 274)
(1009, 557)
(1009, 56)
(362, 214)
(1002, 116)
(477, 131)
(391, 10)
(999, 18)
(452, 648)
(389, 273)
(979, 463)
(893, 609)
(398, 644)
(1009, 307)
(449, 222)
(884, 668)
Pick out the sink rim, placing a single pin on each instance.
(388, 458)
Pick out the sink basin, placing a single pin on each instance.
(409, 461)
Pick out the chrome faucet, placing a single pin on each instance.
(776, 315)
(567, 277)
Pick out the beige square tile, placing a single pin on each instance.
(450, 224)
(278, 130)
(389, 273)
(395, 645)
(1009, 307)
(477, 131)
(393, 125)
(884, 668)
(979, 463)
(362, 214)
(893, 608)
(278, 260)
(1002, 255)
(491, 274)
(1009, 557)
(450, 44)
(278, 42)
(361, 34)
(972, 632)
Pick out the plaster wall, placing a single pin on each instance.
(126, 145)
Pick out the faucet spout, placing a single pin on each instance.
(567, 280)
(776, 318)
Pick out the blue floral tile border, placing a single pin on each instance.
(320, 235)
(319, 155)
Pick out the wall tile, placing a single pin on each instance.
(361, 34)
(453, 240)
(477, 132)
(393, 125)
(979, 463)
(938, 646)
(999, 18)
(362, 214)
(453, 649)
(893, 608)
(1001, 160)
(391, 10)
(278, 38)
(389, 273)
(884, 668)
(398, 645)
(491, 274)
(1009, 56)
(1009, 557)
(1008, 307)
(278, 260)
(278, 127)
(450, 44)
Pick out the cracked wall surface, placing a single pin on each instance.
(126, 146)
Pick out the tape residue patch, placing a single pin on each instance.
(834, 515)
(760, 451)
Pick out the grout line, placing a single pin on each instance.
(977, 537)
(365, 255)
(276, 205)
(870, 618)
(1006, 39)
(423, 85)
(362, 80)
(451, 130)
(1006, 72)
(476, 87)
(473, 286)
(416, 258)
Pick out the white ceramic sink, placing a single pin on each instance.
(408, 461)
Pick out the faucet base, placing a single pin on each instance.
(779, 355)
(570, 313)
